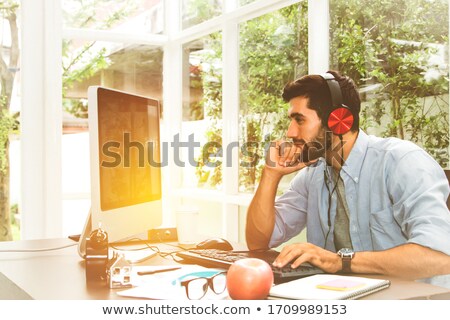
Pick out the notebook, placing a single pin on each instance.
(328, 287)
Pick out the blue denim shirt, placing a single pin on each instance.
(396, 193)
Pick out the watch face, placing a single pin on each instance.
(346, 252)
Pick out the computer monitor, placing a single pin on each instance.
(125, 164)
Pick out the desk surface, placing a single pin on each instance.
(60, 274)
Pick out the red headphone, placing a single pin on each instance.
(340, 118)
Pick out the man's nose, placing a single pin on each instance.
(292, 130)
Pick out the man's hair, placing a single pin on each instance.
(315, 88)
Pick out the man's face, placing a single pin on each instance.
(305, 129)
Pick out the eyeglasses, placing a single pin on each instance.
(197, 284)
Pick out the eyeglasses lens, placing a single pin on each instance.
(219, 283)
(197, 288)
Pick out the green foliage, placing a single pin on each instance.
(86, 13)
(394, 50)
(83, 62)
(8, 124)
(273, 51)
(208, 174)
(8, 7)
(83, 65)
(197, 11)
(397, 45)
(77, 107)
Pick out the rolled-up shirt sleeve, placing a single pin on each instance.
(291, 210)
(419, 190)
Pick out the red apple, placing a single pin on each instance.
(249, 279)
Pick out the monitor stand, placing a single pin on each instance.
(87, 229)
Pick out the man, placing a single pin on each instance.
(379, 203)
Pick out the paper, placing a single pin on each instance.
(160, 286)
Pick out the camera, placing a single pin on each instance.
(97, 257)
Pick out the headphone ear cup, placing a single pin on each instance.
(340, 120)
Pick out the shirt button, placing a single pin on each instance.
(356, 179)
(354, 229)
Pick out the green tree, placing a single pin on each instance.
(197, 11)
(80, 63)
(394, 45)
(9, 58)
(273, 51)
(390, 48)
(209, 169)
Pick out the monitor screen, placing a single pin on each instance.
(128, 136)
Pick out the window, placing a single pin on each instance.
(9, 120)
(273, 51)
(398, 54)
(202, 108)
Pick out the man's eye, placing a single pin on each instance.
(298, 119)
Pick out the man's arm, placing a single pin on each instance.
(261, 212)
(409, 260)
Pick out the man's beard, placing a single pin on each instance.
(316, 148)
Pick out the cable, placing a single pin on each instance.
(42, 249)
(163, 255)
(330, 194)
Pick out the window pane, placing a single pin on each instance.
(9, 120)
(142, 16)
(202, 111)
(196, 11)
(273, 51)
(398, 54)
(132, 68)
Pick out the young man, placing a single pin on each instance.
(370, 205)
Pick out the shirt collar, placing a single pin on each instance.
(354, 162)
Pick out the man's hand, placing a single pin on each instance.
(284, 157)
(299, 253)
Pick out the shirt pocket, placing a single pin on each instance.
(384, 230)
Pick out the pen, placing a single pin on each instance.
(142, 273)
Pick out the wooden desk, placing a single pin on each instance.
(60, 274)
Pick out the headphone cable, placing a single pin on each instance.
(330, 194)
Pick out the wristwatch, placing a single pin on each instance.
(346, 255)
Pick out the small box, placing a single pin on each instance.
(162, 235)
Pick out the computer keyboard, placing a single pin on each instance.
(224, 259)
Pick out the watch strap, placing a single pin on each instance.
(346, 264)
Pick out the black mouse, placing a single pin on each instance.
(215, 243)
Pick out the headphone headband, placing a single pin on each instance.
(335, 89)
